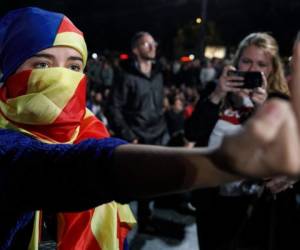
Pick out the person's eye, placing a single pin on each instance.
(75, 67)
(41, 65)
(245, 61)
(262, 65)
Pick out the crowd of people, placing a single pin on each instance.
(182, 84)
(201, 104)
(56, 126)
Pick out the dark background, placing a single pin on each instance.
(109, 24)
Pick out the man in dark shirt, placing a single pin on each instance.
(136, 107)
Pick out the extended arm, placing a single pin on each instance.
(59, 177)
(75, 177)
(268, 146)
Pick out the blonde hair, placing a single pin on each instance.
(276, 79)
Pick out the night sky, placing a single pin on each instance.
(109, 24)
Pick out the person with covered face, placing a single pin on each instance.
(43, 56)
(56, 156)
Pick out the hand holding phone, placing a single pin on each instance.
(251, 79)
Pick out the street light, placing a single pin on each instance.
(198, 20)
(95, 56)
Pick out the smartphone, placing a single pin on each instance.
(252, 79)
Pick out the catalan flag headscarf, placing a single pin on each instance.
(49, 104)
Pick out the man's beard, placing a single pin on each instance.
(148, 57)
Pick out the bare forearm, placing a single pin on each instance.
(151, 170)
(146, 171)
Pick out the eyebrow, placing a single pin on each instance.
(44, 55)
(75, 58)
(49, 56)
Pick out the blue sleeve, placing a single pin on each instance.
(58, 177)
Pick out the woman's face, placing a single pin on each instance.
(255, 59)
(60, 56)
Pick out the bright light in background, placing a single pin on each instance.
(94, 56)
(185, 59)
(198, 20)
(189, 58)
(215, 51)
(192, 57)
(124, 56)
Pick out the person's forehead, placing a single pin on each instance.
(61, 50)
(256, 52)
(146, 37)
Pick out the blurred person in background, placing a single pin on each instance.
(222, 213)
(100, 74)
(93, 71)
(97, 105)
(136, 108)
(175, 116)
(188, 74)
(207, 72)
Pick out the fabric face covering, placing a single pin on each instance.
(47, 103)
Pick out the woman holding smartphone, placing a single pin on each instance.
(223, 109)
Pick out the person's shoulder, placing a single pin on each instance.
(11, 135)
(11, 139)
(280, 95)
(9, 132)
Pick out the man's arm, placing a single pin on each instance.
(117, 105)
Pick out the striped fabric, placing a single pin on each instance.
(49, 104)
(26, 31)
